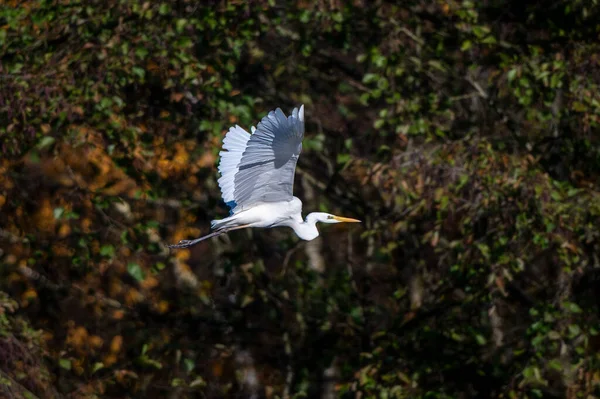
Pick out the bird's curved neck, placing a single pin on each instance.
(306, 229)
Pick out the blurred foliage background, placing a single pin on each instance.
(463, 133)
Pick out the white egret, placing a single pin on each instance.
(257, 179)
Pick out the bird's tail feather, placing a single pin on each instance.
(222, 223)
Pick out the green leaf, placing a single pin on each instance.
(124, 239)
(305, 17)
(34, 157)
(480, 339)
(139, 72)
(45, 141)
(198, 382)
(574, 330)
(437, 65)
(65, 364)
(554, 335)
(572, 307)
(555, 364)
(141, 52)
(176, 382)
(105, 102)
(180, 24)
(556, 196)
(189, 364)
(107, 250)
(163, 9)
(135, 271)
(97, 366)
(343, 158)
(485, 250)
(370, 77)
(146, 361)
(58, 212)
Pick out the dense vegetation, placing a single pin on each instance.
(464, 133)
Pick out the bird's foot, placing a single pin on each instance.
(182, 244)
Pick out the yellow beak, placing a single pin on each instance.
(349, 220)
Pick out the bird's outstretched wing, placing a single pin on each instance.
(235, 143)
(260, 167)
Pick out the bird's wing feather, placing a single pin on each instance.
(235, 143)
(266, 170)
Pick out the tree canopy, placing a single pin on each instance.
(465, 134)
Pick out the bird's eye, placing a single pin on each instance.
(329, 217)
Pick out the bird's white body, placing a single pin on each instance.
(274, 214)
(257, 179)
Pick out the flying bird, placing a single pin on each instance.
(257, 179)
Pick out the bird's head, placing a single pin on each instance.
(329, 218)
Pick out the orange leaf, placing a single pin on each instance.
(176, 97)
(64, 230)
(77, 110)
(116, 344)
(118, 314)
(29, 294)
(162, 306)
(96, 341)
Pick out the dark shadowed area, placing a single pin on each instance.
(464, 134)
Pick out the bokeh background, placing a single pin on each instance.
(463, 133)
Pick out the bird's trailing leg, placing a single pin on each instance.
(189, 243)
